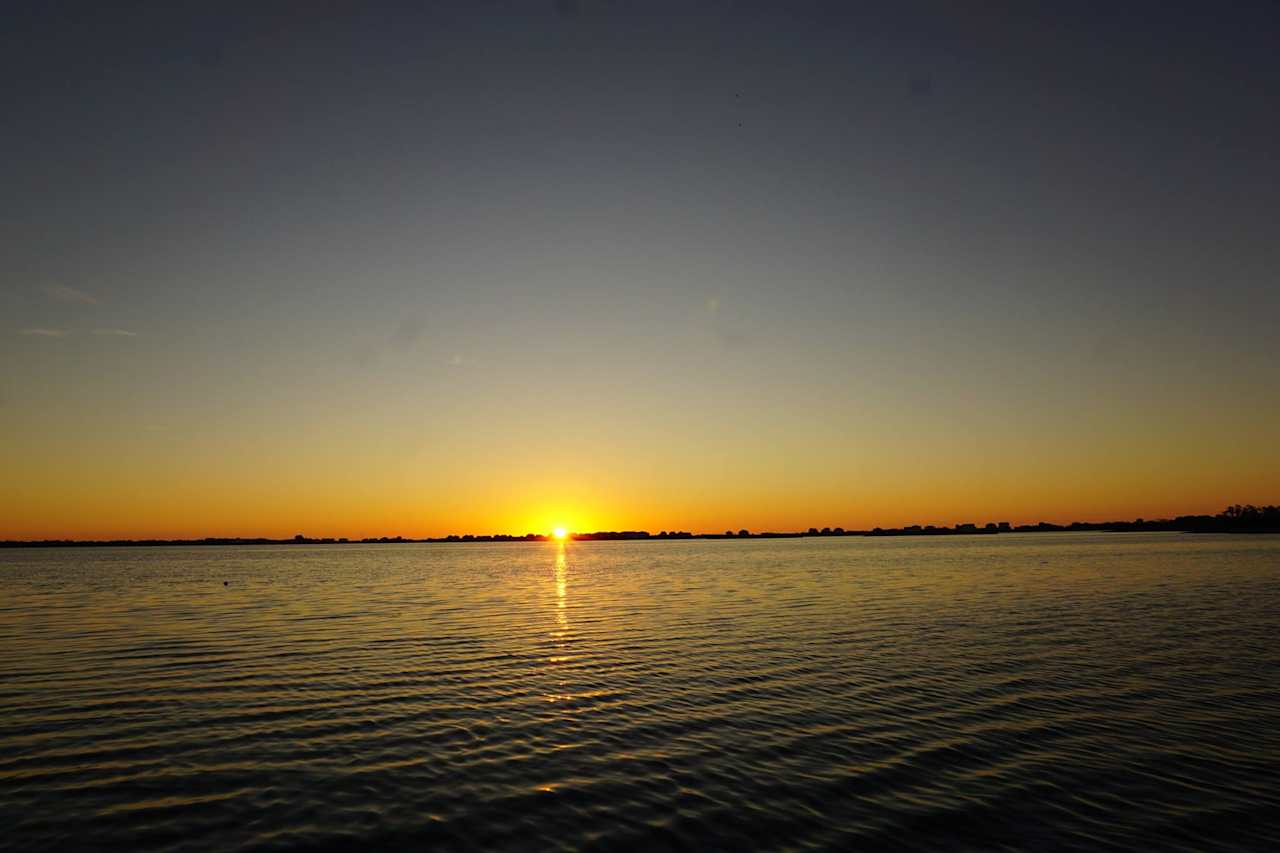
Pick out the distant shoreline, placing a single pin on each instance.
(1235, 519)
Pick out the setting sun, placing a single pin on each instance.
(559, 533)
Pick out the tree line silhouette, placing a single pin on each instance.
(1236, 518)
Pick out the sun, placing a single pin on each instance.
(559, 533)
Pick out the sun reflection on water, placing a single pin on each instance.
(562, 588)
(560, 634)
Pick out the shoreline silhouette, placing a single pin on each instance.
(1234, 519)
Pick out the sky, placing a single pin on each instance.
(419, 269)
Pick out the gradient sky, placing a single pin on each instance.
(489, 267)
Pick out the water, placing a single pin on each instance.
(1029, 691)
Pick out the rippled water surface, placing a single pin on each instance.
(1031, 691)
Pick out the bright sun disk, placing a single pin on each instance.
(560, 533)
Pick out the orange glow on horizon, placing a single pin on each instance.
(607, 482)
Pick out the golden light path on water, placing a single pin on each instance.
(561, 632)
(559, 636)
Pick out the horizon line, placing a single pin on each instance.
(1236, 516)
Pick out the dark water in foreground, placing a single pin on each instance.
(1032, 691)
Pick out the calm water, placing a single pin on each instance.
(1032, 691)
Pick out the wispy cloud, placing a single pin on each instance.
(62, 293)
(123, 333)
(408, 330)
(44, 333)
